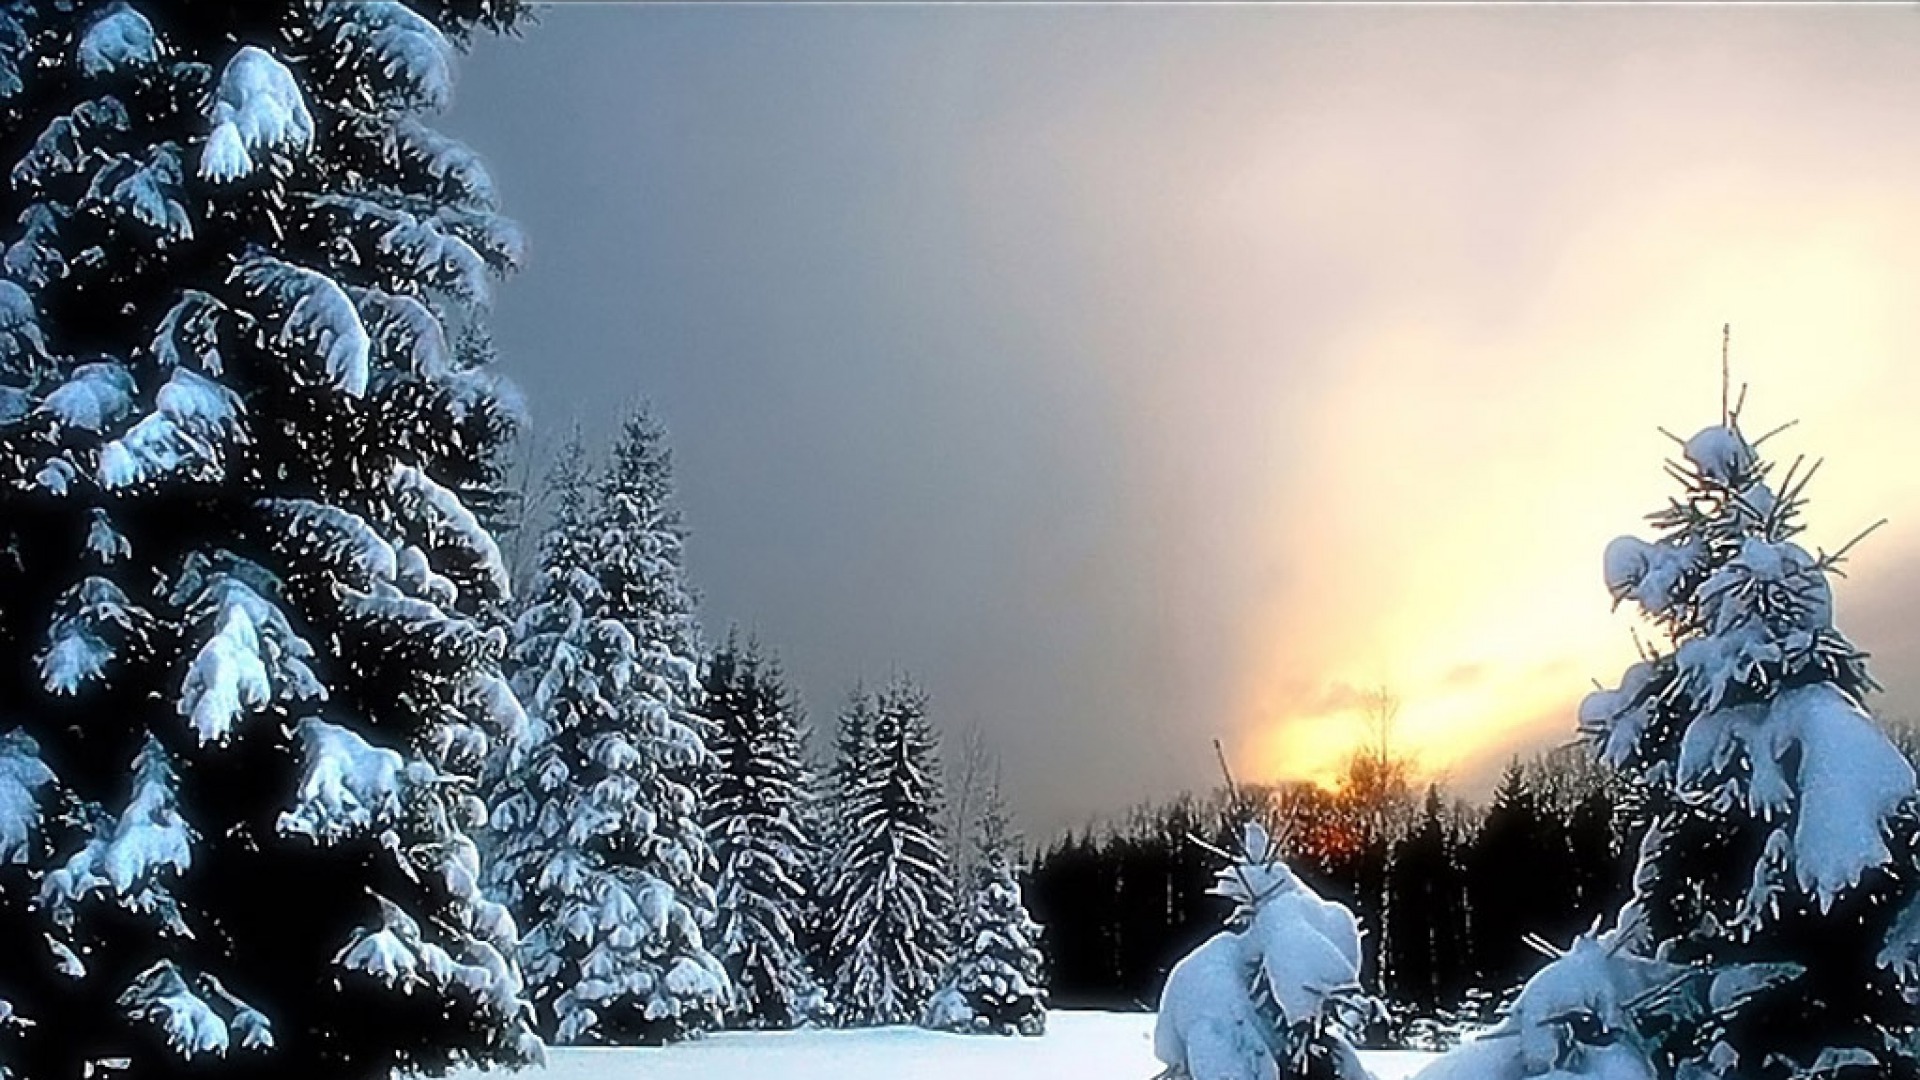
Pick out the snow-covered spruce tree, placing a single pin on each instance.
(601, 857)
(824, 818)
(640, 541)
(1780, 830)
(765, 856)
(892, 892)
(996, 982)
(245, 650)
(1272, 996)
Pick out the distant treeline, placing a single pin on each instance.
(1448, 892)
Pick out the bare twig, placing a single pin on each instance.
(1727, 341)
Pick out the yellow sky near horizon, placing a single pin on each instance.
(1469, 527)
(1534, 272)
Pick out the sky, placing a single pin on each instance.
(1139, 376)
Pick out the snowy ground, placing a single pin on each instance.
(1078, 1046)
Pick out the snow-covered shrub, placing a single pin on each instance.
(1582, 1015)
(1273, 995)
(996, 983)
(247, 662)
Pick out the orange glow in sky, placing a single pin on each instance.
(1463, 502)
(1537, 252)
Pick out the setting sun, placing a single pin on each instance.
(1461, 480)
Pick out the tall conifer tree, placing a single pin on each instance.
(892, 890)
(246, 604)
(1780, 842)
(602, 856)
(766, 859)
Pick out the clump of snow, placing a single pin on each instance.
(131, 858)
(153, 450)
(199, 404)
(1722, 454)
(1850, 779)
(251, 657)
(492, 702)
(314, 314)
(188, 334)
(196, 1019)
(19, 324)
(35, 257)
(120, 38)
(422, 247)
(258, 106)
(412, 56)
(22, 776)
(340, 539)
(1617, 718)
(91, 615)
(460, 171)
(1650, 574)
(161, 997)
(15, 403)
(56, 476)
(95, 397)
(182, 438)
(450, 523)
(400, 955)
(148, 191)
(104, 542)
(403, 328)
(350, 785)
(197, 1014)
(13, 50)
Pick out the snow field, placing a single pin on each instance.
(1077, 1046)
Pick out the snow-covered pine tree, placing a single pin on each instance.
(892, 892)
(245, 601)
(1780, 823)
(824, 817)
(997, 981)
(555, 805)
(601, 853)
(640, 542)
(765, 855)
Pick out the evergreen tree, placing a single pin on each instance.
(826, 812)
(1501, 881)
(600, 853)
(246, 604)
(1779, 849)
(640, 542)
(892, 892)
(996, 983)
(1429, 900)
(1274, 995)
(765, 856)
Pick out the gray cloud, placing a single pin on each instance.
(998, 344)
